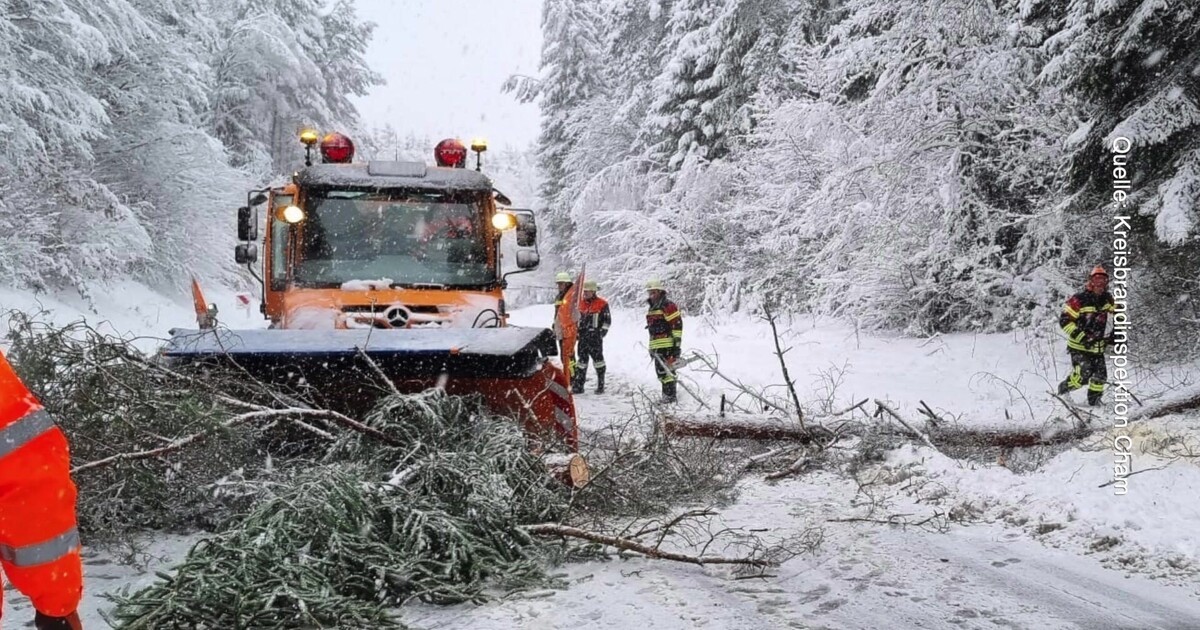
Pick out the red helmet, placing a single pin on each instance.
(450, 152)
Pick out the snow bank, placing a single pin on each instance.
(1070, 502)
(130, 309)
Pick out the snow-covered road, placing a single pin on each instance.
(863, 576)
(888, 579)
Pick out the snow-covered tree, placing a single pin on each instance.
(1134, 68)
(716, 53)
(63, 226)
(572, 74)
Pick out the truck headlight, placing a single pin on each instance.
(504, 221)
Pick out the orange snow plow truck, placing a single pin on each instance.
(399, 261)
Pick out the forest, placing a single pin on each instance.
(911, 165)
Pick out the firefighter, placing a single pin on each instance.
(1084, 319)
(564, 282)
(664, 321)
(594, 321)
(39, 542)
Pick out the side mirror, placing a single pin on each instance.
(526, 229)
(247, 227)
(245, 253)
(501, 198)
(527, 259)
(257, 200)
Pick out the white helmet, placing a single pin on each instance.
(562, 277)
(654, 284)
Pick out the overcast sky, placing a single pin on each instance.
(444, 62)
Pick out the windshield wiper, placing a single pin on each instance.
(419, 285)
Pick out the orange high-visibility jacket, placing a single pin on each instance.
(39, 544)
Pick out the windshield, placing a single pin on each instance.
(406, 237)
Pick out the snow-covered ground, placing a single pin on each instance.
(989, 380)
(128, 309)
(997, 548)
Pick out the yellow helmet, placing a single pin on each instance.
(654, 285)
(591, 285)
(562, 277)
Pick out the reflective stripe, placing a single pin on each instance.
(19, 433)
(1075, 345)
(662, 344)
(1088, 309)
(564, 420)
(599, 365)
(1070, 327)
(1075, 380)
(678, 334)
(1070, 311)
(667, 378)
(1095, 387)
(558, 389)
(675, 315)
(41, 553)
(1110, 307)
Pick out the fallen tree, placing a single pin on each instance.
(739, 426)
(743, 426)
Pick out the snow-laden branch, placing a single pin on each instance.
(555, 529)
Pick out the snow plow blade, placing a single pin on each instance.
(480, 352)
(507, 366)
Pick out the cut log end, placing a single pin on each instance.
(570, 468)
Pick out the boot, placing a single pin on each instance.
(668, 393)
(1095, 398)
(46, 622)
(1063, 388)
(577, 382)
(600, 381)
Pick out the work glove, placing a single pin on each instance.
(46, 622)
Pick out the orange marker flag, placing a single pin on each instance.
(203, 319)
(568, 322)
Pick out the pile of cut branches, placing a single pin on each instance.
(436, 516)
(112, 401)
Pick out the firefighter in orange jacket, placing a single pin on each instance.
(1085, 319)
(594, 320)
(39, 544)
(664, 321)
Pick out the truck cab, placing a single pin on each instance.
(384, 244)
